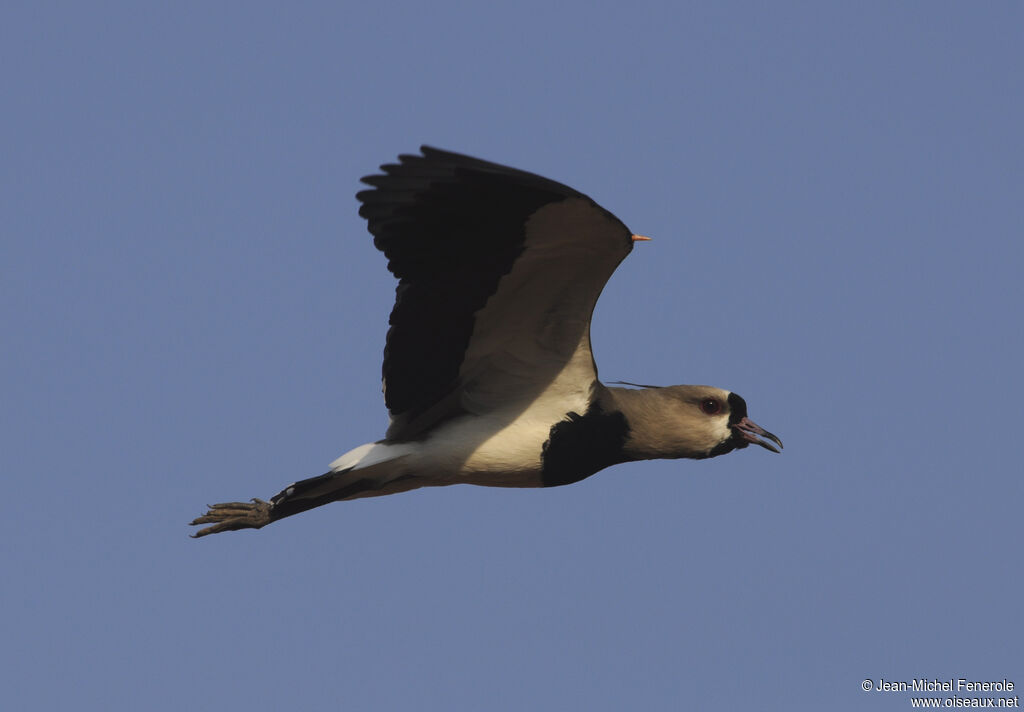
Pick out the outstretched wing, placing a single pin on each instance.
(498, 270)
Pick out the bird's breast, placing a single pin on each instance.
(499, 449)
(581, 445)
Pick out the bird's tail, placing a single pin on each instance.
(368, 471)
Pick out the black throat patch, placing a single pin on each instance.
(580, 445)
(737, 408)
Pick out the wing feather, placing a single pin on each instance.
(499, 271)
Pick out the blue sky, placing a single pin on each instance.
(194, 312)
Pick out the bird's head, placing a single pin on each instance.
(731, 428)
(689, 421)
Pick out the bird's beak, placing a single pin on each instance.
(640, 238)
(750, 431)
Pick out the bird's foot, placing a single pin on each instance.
(231, 516)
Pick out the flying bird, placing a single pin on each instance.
(488, 373)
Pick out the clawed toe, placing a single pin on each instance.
(232, 516)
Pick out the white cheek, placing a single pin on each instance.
(721, 429)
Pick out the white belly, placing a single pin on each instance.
(499, 449)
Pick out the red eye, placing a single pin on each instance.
(711, 406)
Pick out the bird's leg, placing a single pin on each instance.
(297, 497)
(230, 516)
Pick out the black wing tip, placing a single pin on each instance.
(405, 161)
(434, 164)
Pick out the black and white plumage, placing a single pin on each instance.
(488, 373)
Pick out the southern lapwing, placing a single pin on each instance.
(488, 371)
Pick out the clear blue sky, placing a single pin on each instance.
(192, 312)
